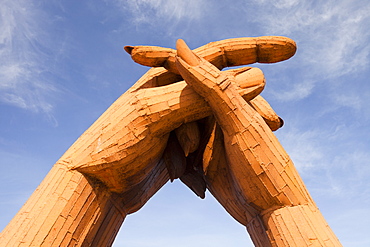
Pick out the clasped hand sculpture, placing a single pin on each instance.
(213, 131)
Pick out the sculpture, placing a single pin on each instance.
(212, 130)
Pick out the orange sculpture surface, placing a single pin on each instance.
(183, 119)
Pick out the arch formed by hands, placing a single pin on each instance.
(212, 131)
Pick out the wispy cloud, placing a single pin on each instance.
(298, 91)
(327, 160)
(303, 148)
(162, 11)
(24, 56)
(332, 36)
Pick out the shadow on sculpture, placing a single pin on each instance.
(187, 119)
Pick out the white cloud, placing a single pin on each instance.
(345, 99)
(24, 58)
(332, 36)
(285, 3)
(354, 169)
(303, 147)
(331, 160)
(296, 92)
(162, 11)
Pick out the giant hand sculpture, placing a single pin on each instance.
(212, 131)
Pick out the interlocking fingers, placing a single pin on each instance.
(249, 81)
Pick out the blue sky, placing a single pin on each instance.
(62, 64)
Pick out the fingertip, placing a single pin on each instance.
(128, 49)
(184, 52)
(281, 122)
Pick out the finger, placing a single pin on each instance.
(174, 158)
(216, 87)
(219, 53)
(152, 56)
(220, 181)
(250, 82)
(186, 54)
(267, 113)
(197, 72)
(224, 53)
(188, 136)
(243, 51)
(195, 181)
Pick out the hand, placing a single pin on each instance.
(255, 173)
